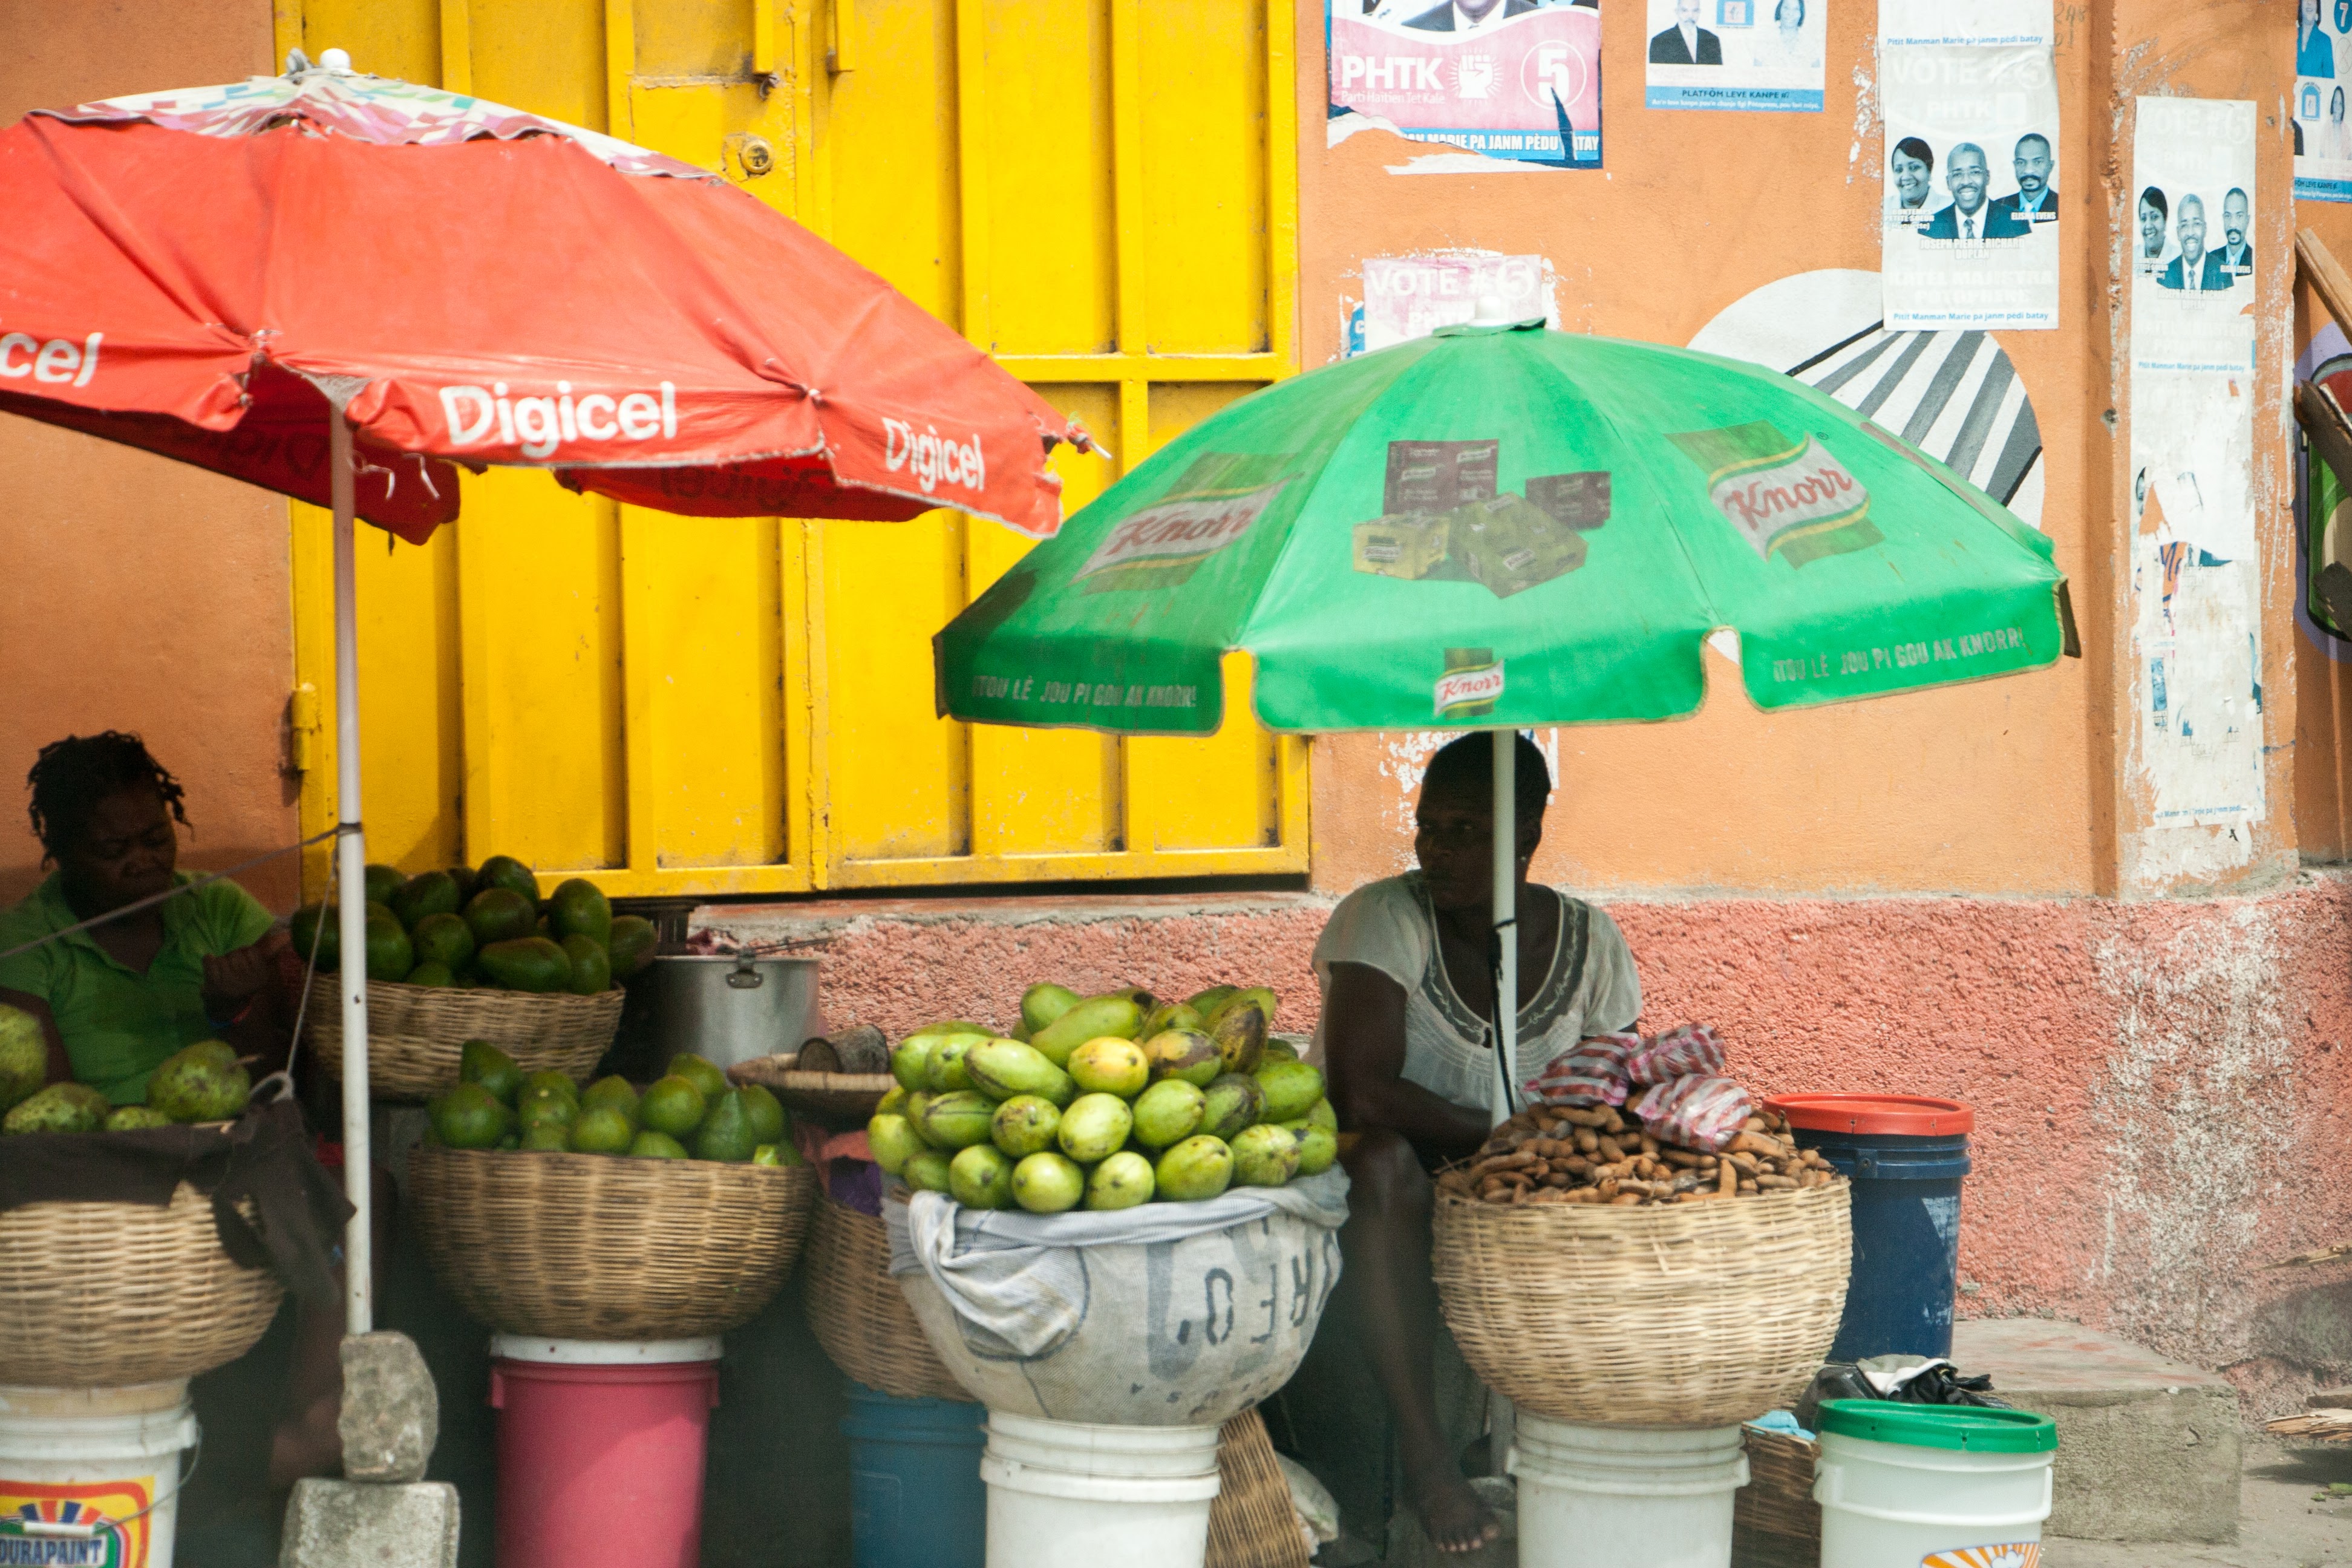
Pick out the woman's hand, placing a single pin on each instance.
(232, 980)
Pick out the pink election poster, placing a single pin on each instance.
(1513, 79)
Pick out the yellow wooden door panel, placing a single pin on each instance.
(898, 214)
(1203, 130)
(388, 37)
(545, 56)
(539, 604)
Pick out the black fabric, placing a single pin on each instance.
(1934, 1382)
(265, 1155)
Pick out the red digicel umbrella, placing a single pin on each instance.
(340, 286)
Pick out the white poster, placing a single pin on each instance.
(2196, 580)
(2011, 22)
(1408, 297)
(1970, 230)
(1736, 54)
(2323, 68)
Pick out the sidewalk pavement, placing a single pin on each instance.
(2281, 1523)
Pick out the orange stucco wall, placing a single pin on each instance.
(140, 593)
(2016, 786)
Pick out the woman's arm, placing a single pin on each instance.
(61, 1069)
(1363, 1043)
(240, 988)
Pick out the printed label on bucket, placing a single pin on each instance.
(2016, 1554)
(95, 1507)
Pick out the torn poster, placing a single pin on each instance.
(2323, 65)
(2015, 23)
(1408, 297)
(1514, 80)
(2196, 579)
(1970, 230)
(1736, 54)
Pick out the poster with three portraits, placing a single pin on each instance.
(1972, 206)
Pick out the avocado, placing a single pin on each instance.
(468, 881)
(442, 939)
(525, 964)
(430, 893)
(469, 1116)
(578, 908)
(320, 924)
(479, 1061)
(381, 882)
(591, 971)
(500, 914)
(431, 972)
(726, 1134)
(631, 944)
(390, 954)
(506, 871)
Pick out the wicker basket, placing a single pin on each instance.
(1775, 1522)
(1667, 1315)
(859, 1313)
(604, 1246)
(104, 1295)
(840, 1096)
(1252, 1523)
(415, 1032)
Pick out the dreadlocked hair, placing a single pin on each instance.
(72, 775)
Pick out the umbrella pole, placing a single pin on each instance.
(350, 887)
(1506, 920)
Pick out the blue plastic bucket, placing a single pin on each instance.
(1906, 1156)
(915, 1498)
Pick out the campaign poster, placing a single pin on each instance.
(1516, 79)
(1736, 54)
(1408, 297)
(1971, 227)
(2017, 24)
(2323, 68)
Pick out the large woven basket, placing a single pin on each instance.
(104, 1295)
(1665, 1315)
(1252, 1523)
(604, 1247)
(415, 1032)
(829, 1096)
(1775, 1522)
(859, 1313)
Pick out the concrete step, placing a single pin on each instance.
(2148, 1449)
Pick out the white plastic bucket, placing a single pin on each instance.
(1937, 1486)
(90, 1478)
(1064, 1494)
(1612, 1497)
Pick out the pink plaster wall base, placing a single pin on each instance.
(2160, 1088)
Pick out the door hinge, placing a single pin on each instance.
(302, 727)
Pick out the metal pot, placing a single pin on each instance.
(730, 1007)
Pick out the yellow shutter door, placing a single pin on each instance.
(1101, 193)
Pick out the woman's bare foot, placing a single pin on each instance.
(307, 1443)
(1450, 1514)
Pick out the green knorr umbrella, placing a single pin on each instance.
(1501, 526)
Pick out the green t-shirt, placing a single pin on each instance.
(117, 1025)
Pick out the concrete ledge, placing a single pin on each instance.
(2148, 1449)
(355, 1524)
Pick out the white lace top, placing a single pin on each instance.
(1590, 988)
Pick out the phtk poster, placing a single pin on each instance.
(2196, 579)
(2323, 69)
(1514, 80)
(1735, 54)
(1970, 225)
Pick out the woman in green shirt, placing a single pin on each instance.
(120, 997)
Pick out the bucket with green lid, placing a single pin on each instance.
(1937, 1485)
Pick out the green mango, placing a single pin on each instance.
(1205, 1002)
(479, 1061)
(981, 1177)
(1094, 1018)
(1231, 1104)
(442, 939)
(1120, 1182)
(1291, 1089)
(500, 914)
(133, 1119)
(605, 1129)
(1168, 1113)
(591, 971)
(1044, 1002)
(958, 1119)
(916, 1104)
(1110, 1066)
(1318, 1148)
(632, 945)
(1238, 1031)
(529, 964)
(320, 924)
(1002, 1069)
(1258, 996)
(469, 1116)
(1263, 1156)
(1095, 1127)
(1048, 1183)
(1184, 1054)
(945, 1070)
(1171, 1016)
(893, 1099)
(578, 908)
(390, 954)
(726, 1134)
(427, 893)
(926, 1171)
(506, 871)
(776, 1156)
(894, 1141)
(768, 1118)
(60, 1108)
(381, 882)
(910, 1062)
(671, 1105)
(1198, 1168)
(431, 972)
(1278, 1051)
(652, 1145)
(702, 1072)
(1025, 1124)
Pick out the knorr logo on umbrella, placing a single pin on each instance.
(1472, 683)
(1783, 496)
(1218, 500)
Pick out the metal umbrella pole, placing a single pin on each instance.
(350, 885)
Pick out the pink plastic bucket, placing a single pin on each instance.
(601, 1450)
